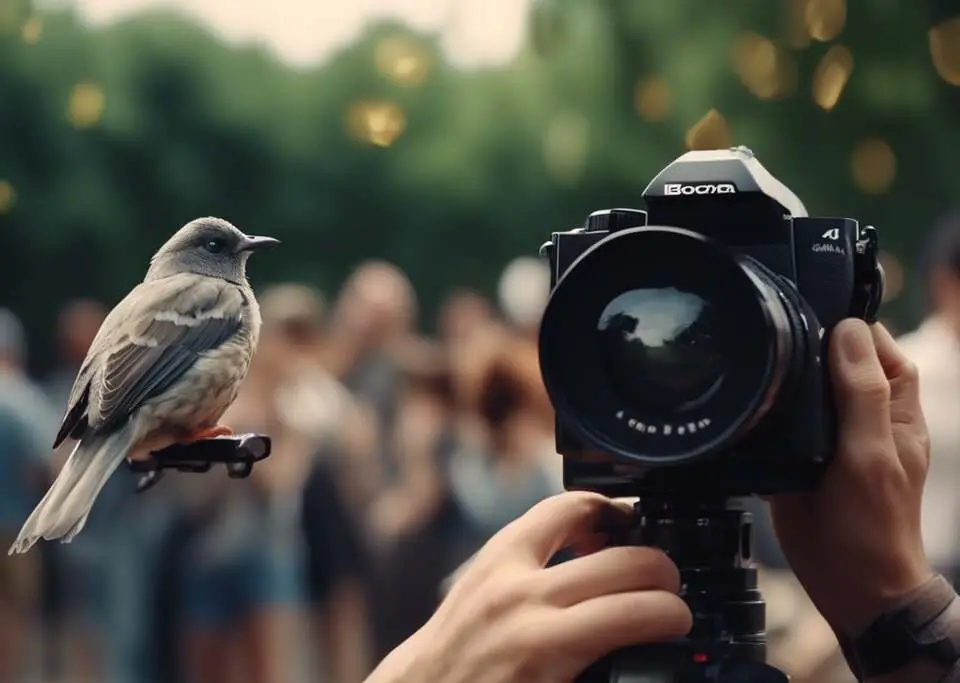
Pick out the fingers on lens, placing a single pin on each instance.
(610, 622)
(557, 522)
(610, 571)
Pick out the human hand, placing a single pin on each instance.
(508, 619)
(855, 542)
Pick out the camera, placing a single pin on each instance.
(684, 346)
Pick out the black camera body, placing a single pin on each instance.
(684, 347)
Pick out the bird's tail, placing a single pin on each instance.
(64, 509)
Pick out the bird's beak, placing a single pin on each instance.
(252, 243)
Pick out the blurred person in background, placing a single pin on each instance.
(371, 324)
(26, 422)
(462, 313)
(421, 429)
(425, 533)
(269, 546)
(465, 319)
(935, 349)
(518, 465)
(321, 419)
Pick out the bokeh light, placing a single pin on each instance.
(893, 276)
(8, 197)
(31, 30)
(874, 166)
(710, 132)
(402, 60)
(764, 68)
(376, 123)
(653, 99)
(945, 50)
(86, 105)
(831, 76)
(825, 18)
(565, 146)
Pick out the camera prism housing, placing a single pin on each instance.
(684, 346)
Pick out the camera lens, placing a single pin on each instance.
(659, 345)
(659, 348)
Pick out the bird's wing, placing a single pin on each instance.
(168, 325)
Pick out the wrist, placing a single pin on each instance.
(854, 614)
(916, 640)
(410, 662)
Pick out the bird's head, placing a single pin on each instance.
(207, 246)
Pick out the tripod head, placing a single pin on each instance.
(710, 541)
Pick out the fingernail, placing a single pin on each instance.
(856, 343)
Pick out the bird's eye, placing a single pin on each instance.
(214, 246)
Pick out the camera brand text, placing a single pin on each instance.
(675, 189)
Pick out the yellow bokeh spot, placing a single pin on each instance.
(874, 166)
(765, 69)
(831, 76)
(710, 132)
(376, 123)
(86, 105)
(652, 99)
(825, 18)
(945, 50)
(402, 60)
(8, 197)
(31, 30)
(893, 276)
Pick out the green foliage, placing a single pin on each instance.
(487, 164)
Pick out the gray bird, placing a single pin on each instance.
(164, 367)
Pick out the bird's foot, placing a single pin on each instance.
(211, 433)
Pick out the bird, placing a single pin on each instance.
(165, 365)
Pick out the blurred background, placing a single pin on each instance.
(412, 155)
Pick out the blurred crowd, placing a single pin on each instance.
(395, 456)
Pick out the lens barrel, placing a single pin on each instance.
(660, 346)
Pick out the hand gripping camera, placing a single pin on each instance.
(683, 348)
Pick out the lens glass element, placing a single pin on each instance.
(660, 348)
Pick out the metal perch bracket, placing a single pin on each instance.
(239, 453)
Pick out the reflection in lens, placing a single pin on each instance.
(660, 348)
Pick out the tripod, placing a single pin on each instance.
(711, 544)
